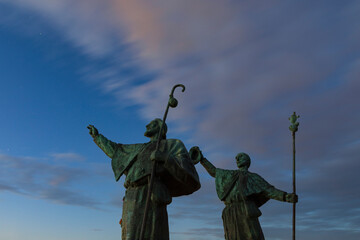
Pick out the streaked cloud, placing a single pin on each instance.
(77, 22)
(67, 156)
(203, 233)
(247, 66)
(40, 178)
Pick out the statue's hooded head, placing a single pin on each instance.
(243, 160)
(153, 128)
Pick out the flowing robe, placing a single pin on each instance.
(243, 192)
(175, 177)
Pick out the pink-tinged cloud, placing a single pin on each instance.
(247, 66)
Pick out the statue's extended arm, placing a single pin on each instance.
(105, 144)
(210, 168)
(279, 195)
(275, 193)
(196, 156)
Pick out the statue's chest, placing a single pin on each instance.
(142, 165)
(240, 191)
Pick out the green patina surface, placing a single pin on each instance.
(175, 176)
(242, 192)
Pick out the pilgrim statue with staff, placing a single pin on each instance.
(162, 168)
(155, 172)
(243, 192)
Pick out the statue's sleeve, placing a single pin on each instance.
(259, 187)
(275, 193)
(181, 176)
(106, 145)
(210, 168)
(124, 157)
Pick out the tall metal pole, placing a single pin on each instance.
(293, 128)
(171, 103)
(294, 188)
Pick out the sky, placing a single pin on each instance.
(247, 66)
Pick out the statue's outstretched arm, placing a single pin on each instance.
(196, 156)
(210, 168)
(279, 195)
(275, 193)
(105, 144)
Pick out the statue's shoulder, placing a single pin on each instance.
(174, 142)
(253, 174)
(131, 144)
(129, 148)
(227, 171)
(226, 174)
(255, 178)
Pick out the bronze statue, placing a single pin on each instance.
(175, 176)
(243, 192)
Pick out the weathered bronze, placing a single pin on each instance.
(175, 176)
(293, 128)
(243, 192)
(172, 102)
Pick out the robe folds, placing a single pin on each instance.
(243, 192)
(177, 176)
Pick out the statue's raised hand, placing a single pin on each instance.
(93, 131)
(196, 154)
(291, 198)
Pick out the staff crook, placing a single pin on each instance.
(171, 103)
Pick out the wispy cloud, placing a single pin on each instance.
(77, 22)
(247, 66)
(67, 156)
(41, 178)
(203, 233)
(97, 229)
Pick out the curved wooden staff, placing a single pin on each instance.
(171, 103)
(293, 128)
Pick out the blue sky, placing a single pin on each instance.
(246, 67)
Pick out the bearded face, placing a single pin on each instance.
(152, 129)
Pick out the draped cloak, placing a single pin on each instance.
(243, 192)
(176, 177)
(253, 187)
